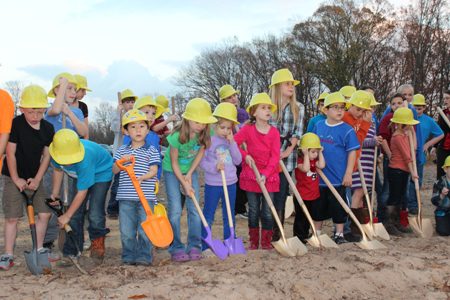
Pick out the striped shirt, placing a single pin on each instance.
(145, 157)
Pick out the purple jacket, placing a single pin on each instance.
(220, 149)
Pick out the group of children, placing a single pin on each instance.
(344, 136)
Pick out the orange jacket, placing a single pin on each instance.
(361, 128)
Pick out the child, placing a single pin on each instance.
(91, 164)
(310, 158)
(320, 116)
(27, 159)
(262, 149)
(187, 145)
(227, 93)
(441, 200)
(126, 103)
(223, 154)
(443, 150)
(288, 119)
(339, 150)
(400, 166)
(82, 88)
(136, 247)
(160, 124)
(6, 117)
(431, 135)
(347, 91)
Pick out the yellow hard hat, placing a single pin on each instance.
(127, 93)
(82, 82)
(282, 75)
(361, 99)
(261, 98)
(447, 162)
(227, 111)
(404, 115)
(347, 91)
(321, 97)
(33, 96)
(419, 99)
(310, 141)
(148, 100)
(133, 115)
(226, 91)
(373, 101)
(70, 78)
(163, 101)
(332, 98)
(199, 110)
(66, 148)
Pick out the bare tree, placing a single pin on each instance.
(100, 130)
(15, 87)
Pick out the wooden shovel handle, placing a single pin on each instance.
(130, 171)
(298, 197)
(374, 174)
(227, 199)
(366, 193)
(342, 203)
(416, 181)
(200, 212)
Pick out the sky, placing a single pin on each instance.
(133, 44)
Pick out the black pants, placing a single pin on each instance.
(279, 200)
(398, 180)
(441, 155)
(301, 224)
(241, 196)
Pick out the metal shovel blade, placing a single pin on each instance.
(424, 231)
(380, 231)
(216, 246)
(158, 230)
(290, 247)
(234, 245)
(370, 245)
(283, 248)
(327, 242)
(37, 262)
(368, 230)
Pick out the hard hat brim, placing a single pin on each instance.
(202, 120)
(67, 159)
(296, 82)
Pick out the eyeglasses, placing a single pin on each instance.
(337, 107)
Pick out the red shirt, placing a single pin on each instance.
(162, 132)
(361, 128)
(401, 152)
(307, 183)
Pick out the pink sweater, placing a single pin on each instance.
(265, 150)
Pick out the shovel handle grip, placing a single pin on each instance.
(121, 164)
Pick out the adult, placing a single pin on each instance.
(443, 149)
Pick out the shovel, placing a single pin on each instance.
(65, 185)
(234, 245)
(58, 210)
(216, 246)
(157, 228)
(364, 243)
(287, 247)
(37, 262)
(289, 209)
(420, 226)
(372, 229)
(315, 240)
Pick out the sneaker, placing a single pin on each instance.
(52, 256)
(243, 215)
(338, 239)
(6, 262)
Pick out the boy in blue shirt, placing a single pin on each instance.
(339, 143)
(320, 115)
(91, 164)
(136, 247)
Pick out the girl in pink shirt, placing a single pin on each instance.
(400, 166)
(259, 143)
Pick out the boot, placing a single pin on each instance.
(365, 217)
(98, 247)
(266, 237)
(254, 238)
(402, 224)
(276, 234)
(353, 227)
(390, 220)
(403, 217)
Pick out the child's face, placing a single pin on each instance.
(263, 112)
(447, 100)
(234, 99)
(396, 103)
(287, 89)
(357, 112)
(335, 111)
(137, 131)
(224, 128)
(70, 93)
(313, 153)
(196, 127)
(320, 105)
(408, 93)
(447, 171)
(33, 115)
(420, 109)
(80, 94)
(128, 103)
(150, 112)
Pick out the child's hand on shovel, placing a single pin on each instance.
(220, 166)
(63, 220)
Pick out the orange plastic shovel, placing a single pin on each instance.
(156, 227)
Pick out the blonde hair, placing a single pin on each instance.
(204, 138)
(276, 96)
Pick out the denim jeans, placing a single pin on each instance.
(258, 208)
(412, 197)
(113, 205)
(383, 197)
(279, 198)
(136, 247)
(213, 194)
(348, 195)
(174, 210)
(96, 216)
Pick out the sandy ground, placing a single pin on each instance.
(410, 268)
